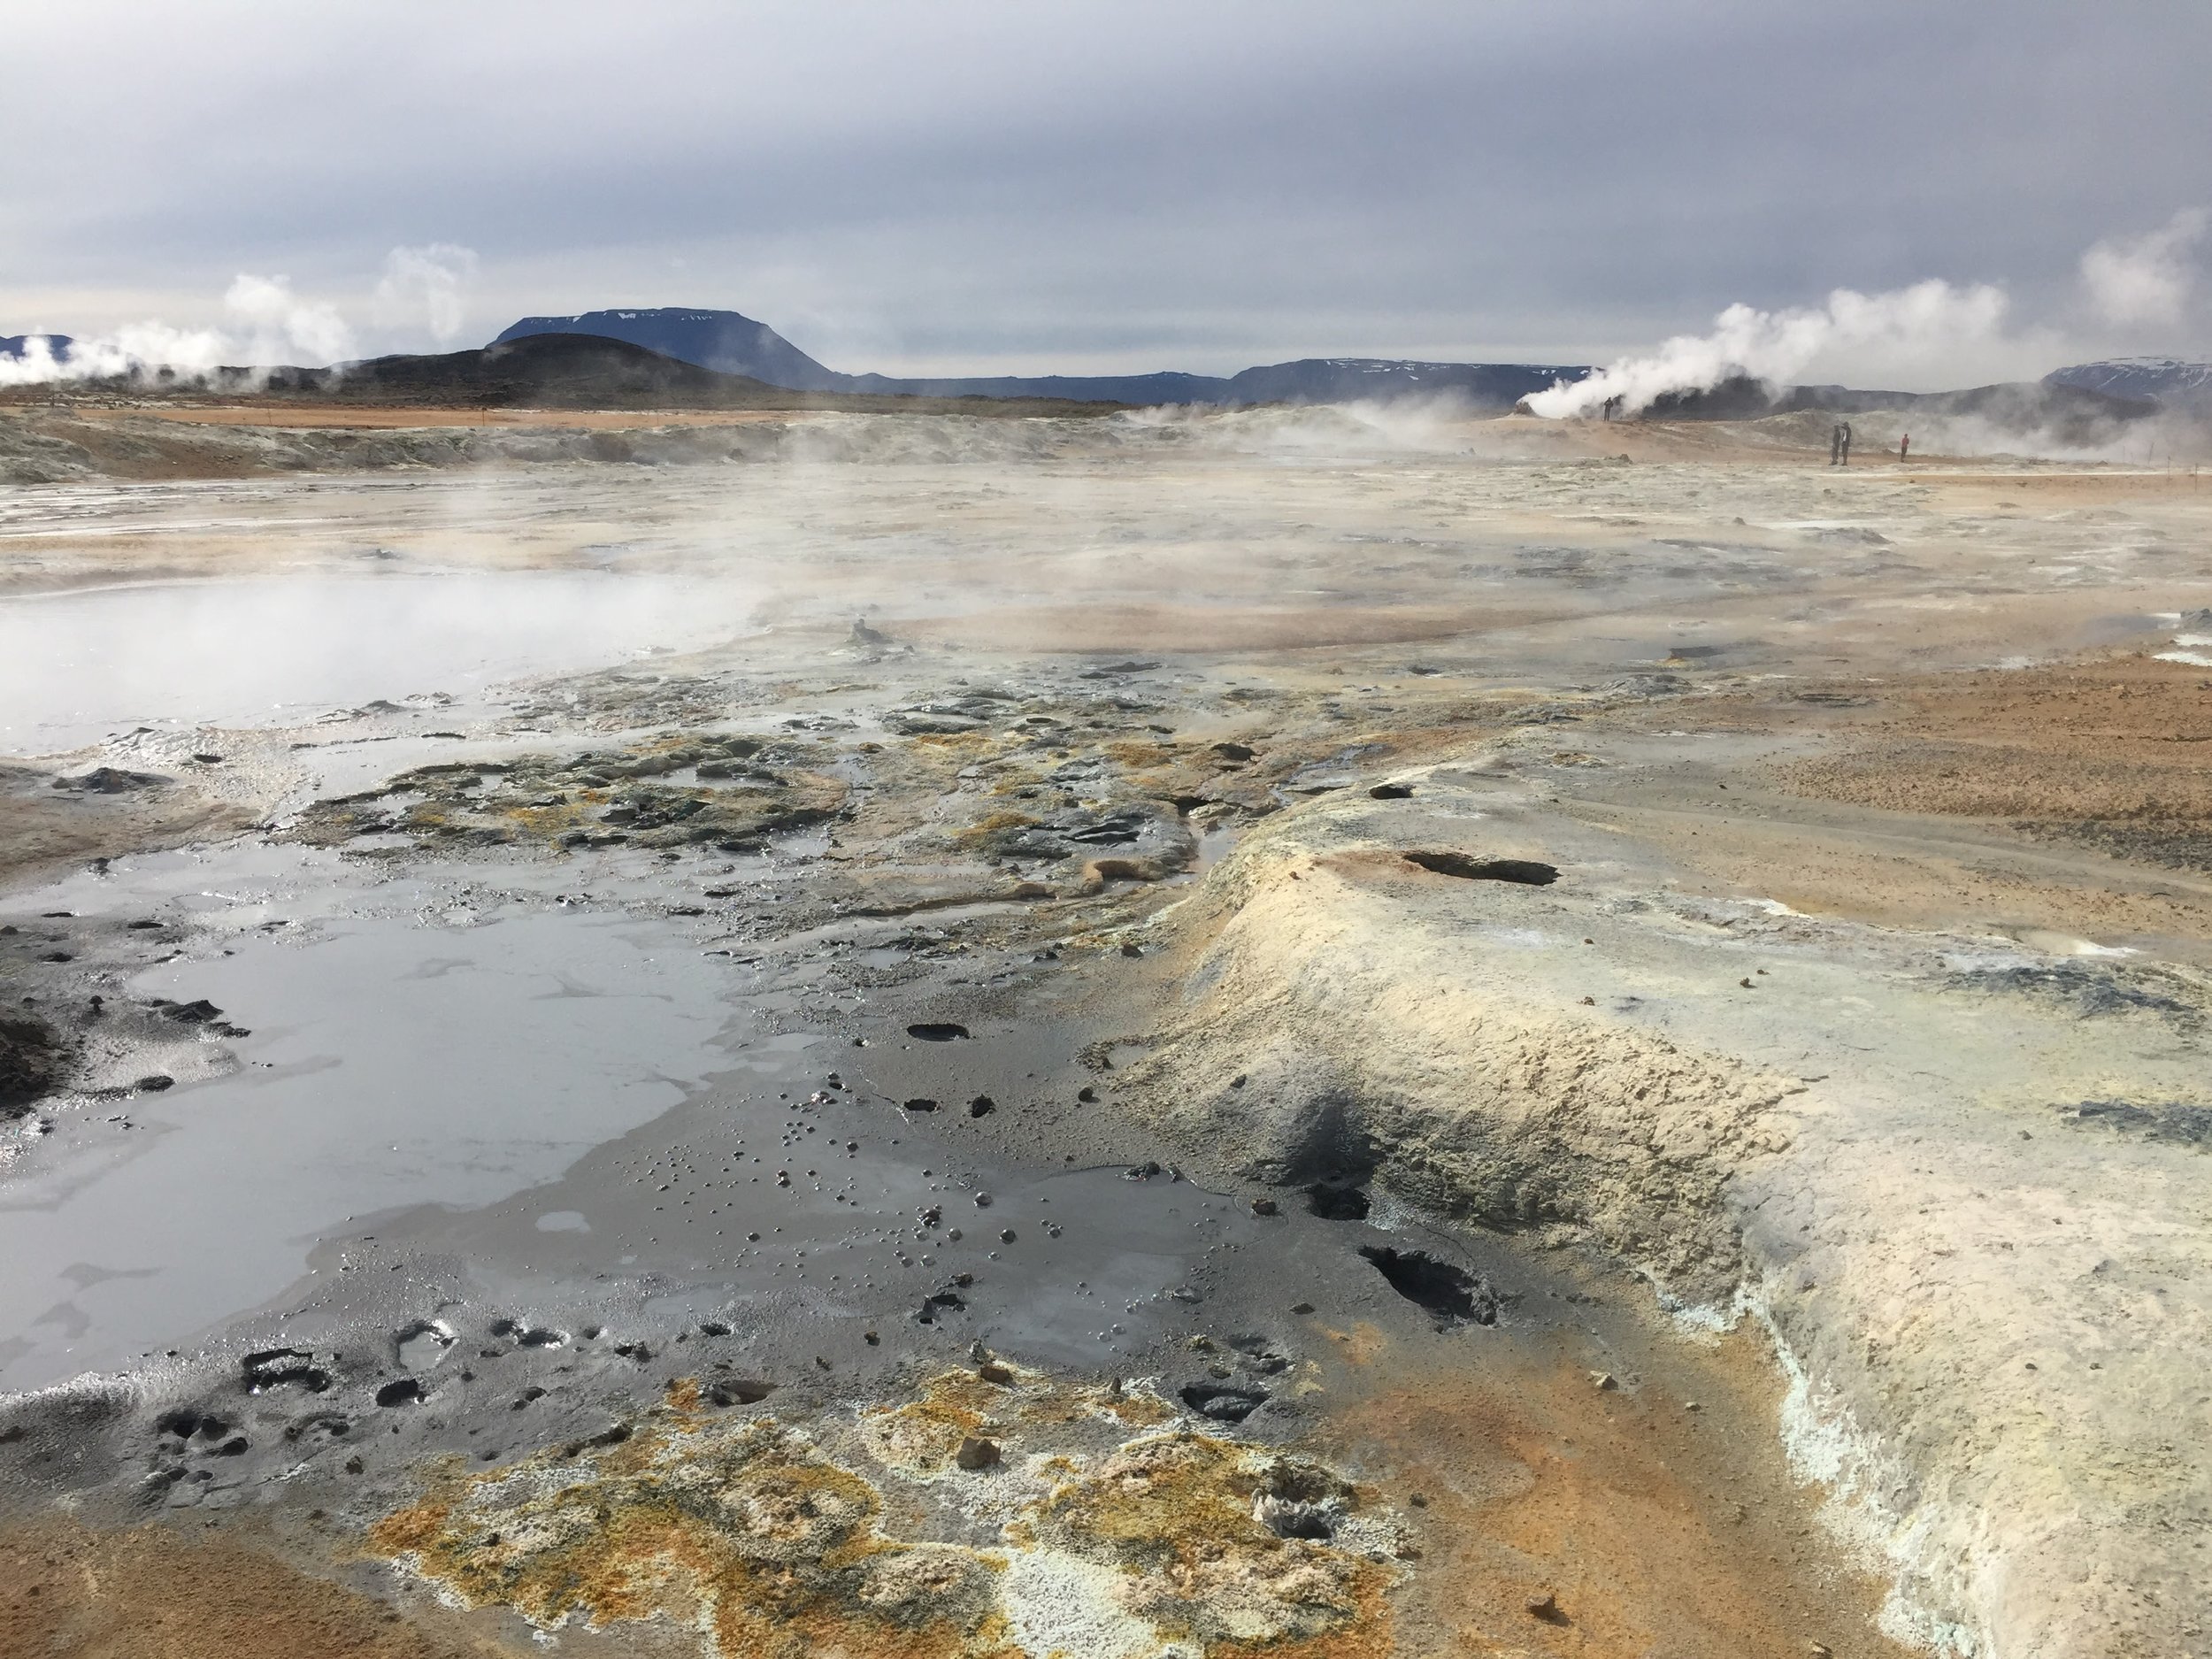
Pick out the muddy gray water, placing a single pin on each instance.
(79, 665)
(415, 1040)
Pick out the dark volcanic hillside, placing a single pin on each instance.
(572, 372)
(733, 343)
(545, 371)
(728, 342)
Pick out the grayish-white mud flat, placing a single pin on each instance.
(1315, 937)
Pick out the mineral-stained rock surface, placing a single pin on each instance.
(1105, 1525)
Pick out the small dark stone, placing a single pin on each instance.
(1391, 791)
(405, 1392)
(982, 1106)
(992, 1371)
(1264, 1207)
(154, 1084)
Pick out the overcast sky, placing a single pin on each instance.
(1064, 185)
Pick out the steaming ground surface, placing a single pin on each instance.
(1136, 1103)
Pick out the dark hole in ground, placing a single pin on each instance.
(1223, 1405)
(273, 1367)
(930, 1031)
(1451, 1292)
(1527, 871)
(982, 1106)
(405, 1392)
(740, 1391)
(1392, 792)
(1337, 1201)
(921, 1103)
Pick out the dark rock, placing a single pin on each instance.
(112, 781)
(977, 1453)
(33, 1059)
(405, 1392)
(1391, 792)
(1222, 1403)
(154, 1084)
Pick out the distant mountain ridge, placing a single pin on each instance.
(16, 345)
(731, 343)
(2175, 381)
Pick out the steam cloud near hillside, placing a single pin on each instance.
(266, 323)
(2126, 282)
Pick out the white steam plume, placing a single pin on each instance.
(2145, 279)
(270, 324)
(1927, 319)
(428, 286)
(281, 325)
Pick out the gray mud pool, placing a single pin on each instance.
(84, 663)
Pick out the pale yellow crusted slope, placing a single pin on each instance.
(1997, 1309)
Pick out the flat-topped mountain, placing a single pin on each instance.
(726, 341)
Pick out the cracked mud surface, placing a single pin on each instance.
(1137, 1100)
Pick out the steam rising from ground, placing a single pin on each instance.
(265, 323)
(1903, 332)
(2148, 278)
(426, 284)
(1922, 320)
